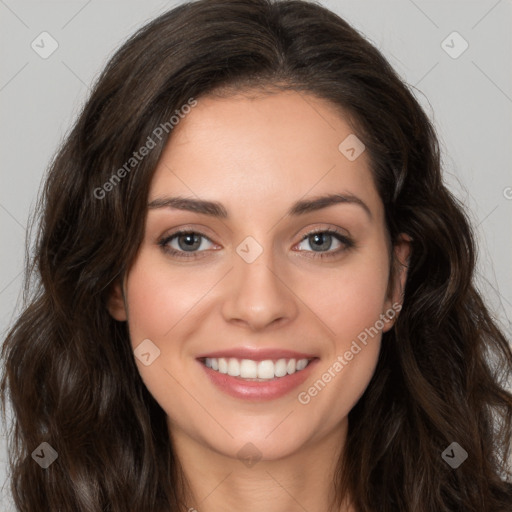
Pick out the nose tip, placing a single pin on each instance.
(255, 293)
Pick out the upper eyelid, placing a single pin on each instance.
(327, 226)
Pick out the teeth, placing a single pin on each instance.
(280, 368)
(223, 365)
(266, 369)
(248, 369)
(256, 370)
(233, 368)
(301, 364)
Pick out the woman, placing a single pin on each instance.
(255, 290)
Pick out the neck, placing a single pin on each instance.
(302, 480)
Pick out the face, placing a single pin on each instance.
(267, 275)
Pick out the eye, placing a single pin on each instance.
(184, 244)
(188, 243)
(322, 240)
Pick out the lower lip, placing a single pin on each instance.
(253, 390)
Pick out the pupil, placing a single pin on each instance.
(320, 236)
(191, 239)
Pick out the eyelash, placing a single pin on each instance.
(346, 241)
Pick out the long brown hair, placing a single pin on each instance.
(70, 373)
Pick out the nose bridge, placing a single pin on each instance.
(256, 294)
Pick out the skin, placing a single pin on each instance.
(257, 155)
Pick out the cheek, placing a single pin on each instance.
(350, 309)
(167, 306)
(350, 298)
(349, 301)
(162, 308)
(159, 299)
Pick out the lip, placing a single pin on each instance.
(257, 354)
(258, 391)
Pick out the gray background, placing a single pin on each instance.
(469, 98)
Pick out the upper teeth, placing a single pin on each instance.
(249, 369)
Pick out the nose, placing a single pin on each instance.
(257, 296)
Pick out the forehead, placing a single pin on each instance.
(262, 148)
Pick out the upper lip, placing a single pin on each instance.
(257, 354)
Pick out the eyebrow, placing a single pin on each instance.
(216, 209)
